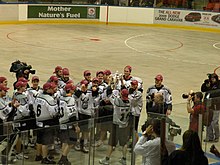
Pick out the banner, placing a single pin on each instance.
(185, 17)
(63, 12)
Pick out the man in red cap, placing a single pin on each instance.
(87, 75)
(135, 97)
(24, 119)
(3, 80)
(65, 77)
(87, 101)
(106, 77)
(7, 112)
(68, 122)
(159, 88)
(120, 128)
(46, 110)
(58, 71)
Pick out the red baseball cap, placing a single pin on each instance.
(53, 78)
(48, 85)
(159, 77)
(35, 78)
(107, 72)
(2, 79)
(85, 82)
(69, 82)
(134, 82)
(3, 88)
(129, 67)
(99, 72)
(86, 72)
(65, 71)
(95, 79)
(124, 94)
(22, 79)
(20, 84)
(58, 68)
(69, 87)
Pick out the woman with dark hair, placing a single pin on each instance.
(190, 153)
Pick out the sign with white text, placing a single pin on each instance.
(63, 12)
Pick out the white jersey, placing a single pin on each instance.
(23, 108)
(136, 103)
(5, 110)
(86, 103)
(164, 90)
(45, 107)
(127, 83)
(33, 93)
(67, 109)
(61, 83)
(122, 110)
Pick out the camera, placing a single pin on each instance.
(28, 67)
(175, 131)
(185, 96)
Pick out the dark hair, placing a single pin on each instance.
(192, 145)
(156, 123)
(199, 95)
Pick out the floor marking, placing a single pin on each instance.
(215, 45)
(159, 56)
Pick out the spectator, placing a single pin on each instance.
(190, 153)
(150, 149)
(209, 85)
(194, 111)
(159, 106)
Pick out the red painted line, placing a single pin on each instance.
(216, 71)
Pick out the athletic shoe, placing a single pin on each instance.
(104, 161)
(85, 149)
(122, 161)
(47, 161)
(64, 162)
(77, 147)
(97, 143)
(38, 158)
(20, 156)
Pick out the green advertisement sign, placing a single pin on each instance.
(63, 12)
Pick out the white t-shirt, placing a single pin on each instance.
(150, 150)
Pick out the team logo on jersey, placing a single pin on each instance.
(91, 12)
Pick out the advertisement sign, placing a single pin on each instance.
(185, 17)
(63, 12)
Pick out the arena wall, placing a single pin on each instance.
(108, 14)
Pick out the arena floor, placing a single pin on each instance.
(182, 56)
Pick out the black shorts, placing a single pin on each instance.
(45, 136)
(84, 122)
(25, 124)
(120, 135)
(68, 136)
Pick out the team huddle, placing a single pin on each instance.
(71, 106)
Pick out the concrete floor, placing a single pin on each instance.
(183, 57)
